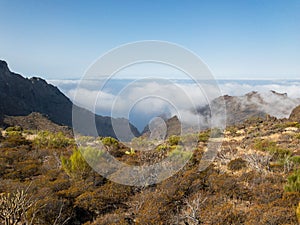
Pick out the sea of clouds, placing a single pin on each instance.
(140, 101)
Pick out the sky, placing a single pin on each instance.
(249, 39)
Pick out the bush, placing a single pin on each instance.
(174, 140)
(15, 128)
(271, 147)
(204, 136)
(52, 140)
(293, 182)
(237, 164)
(298, 213)
(76, 166)
(179, 153)
(109, 141)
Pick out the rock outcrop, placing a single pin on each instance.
(21, 96)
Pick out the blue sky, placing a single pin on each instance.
(248, 39)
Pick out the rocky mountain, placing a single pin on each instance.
(162, 128)
(253, 104)
(21, 96)
(238, 110)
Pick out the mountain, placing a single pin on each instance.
(21, 96)
(253, 104)
(160, 129)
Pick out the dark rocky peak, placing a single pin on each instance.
(21, 96)
(3, 65)
(4, 70)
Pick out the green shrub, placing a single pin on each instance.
(271, 147)
(296, 159)
(109, 141)
(174, 140)
(76, 166)
(204, 136)
(287, 124)
(293, 182)
(52, 140)
(15, 128)
(13, 133)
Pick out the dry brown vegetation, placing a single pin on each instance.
(254, 179)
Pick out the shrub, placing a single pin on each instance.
(14, 207)
(174, 140)
(293, 182)
(76, 166)
(204, 136)
(296, 159)
(237, 164)
(271, 147)
(15, 128)
(298, 213)
(52, 140)
(109, 141)
(179, 153)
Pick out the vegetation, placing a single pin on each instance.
(254, 179)
(293, 182)
(52, 140)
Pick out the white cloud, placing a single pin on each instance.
(152, 98)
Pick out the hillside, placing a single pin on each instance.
(254, 179)
(21, 96)
(35, 121)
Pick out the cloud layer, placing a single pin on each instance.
(142, 100)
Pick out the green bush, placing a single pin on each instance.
(296, 159)
(109, 141)
(174, 140)
(271, 147)
(293, 182)
(75, 166)
(15, 128)
(288, 124)
(204, 136)
(52, 140)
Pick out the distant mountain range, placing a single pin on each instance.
(21, 96)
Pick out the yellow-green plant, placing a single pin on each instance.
(52, 140)
(174, 140)
(298, 213)
(293, 182)
(75, 166)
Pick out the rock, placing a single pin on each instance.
(21, 96)
(295, 115)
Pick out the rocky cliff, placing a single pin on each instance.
(21, 96)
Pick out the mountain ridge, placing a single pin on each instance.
(21, 96)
